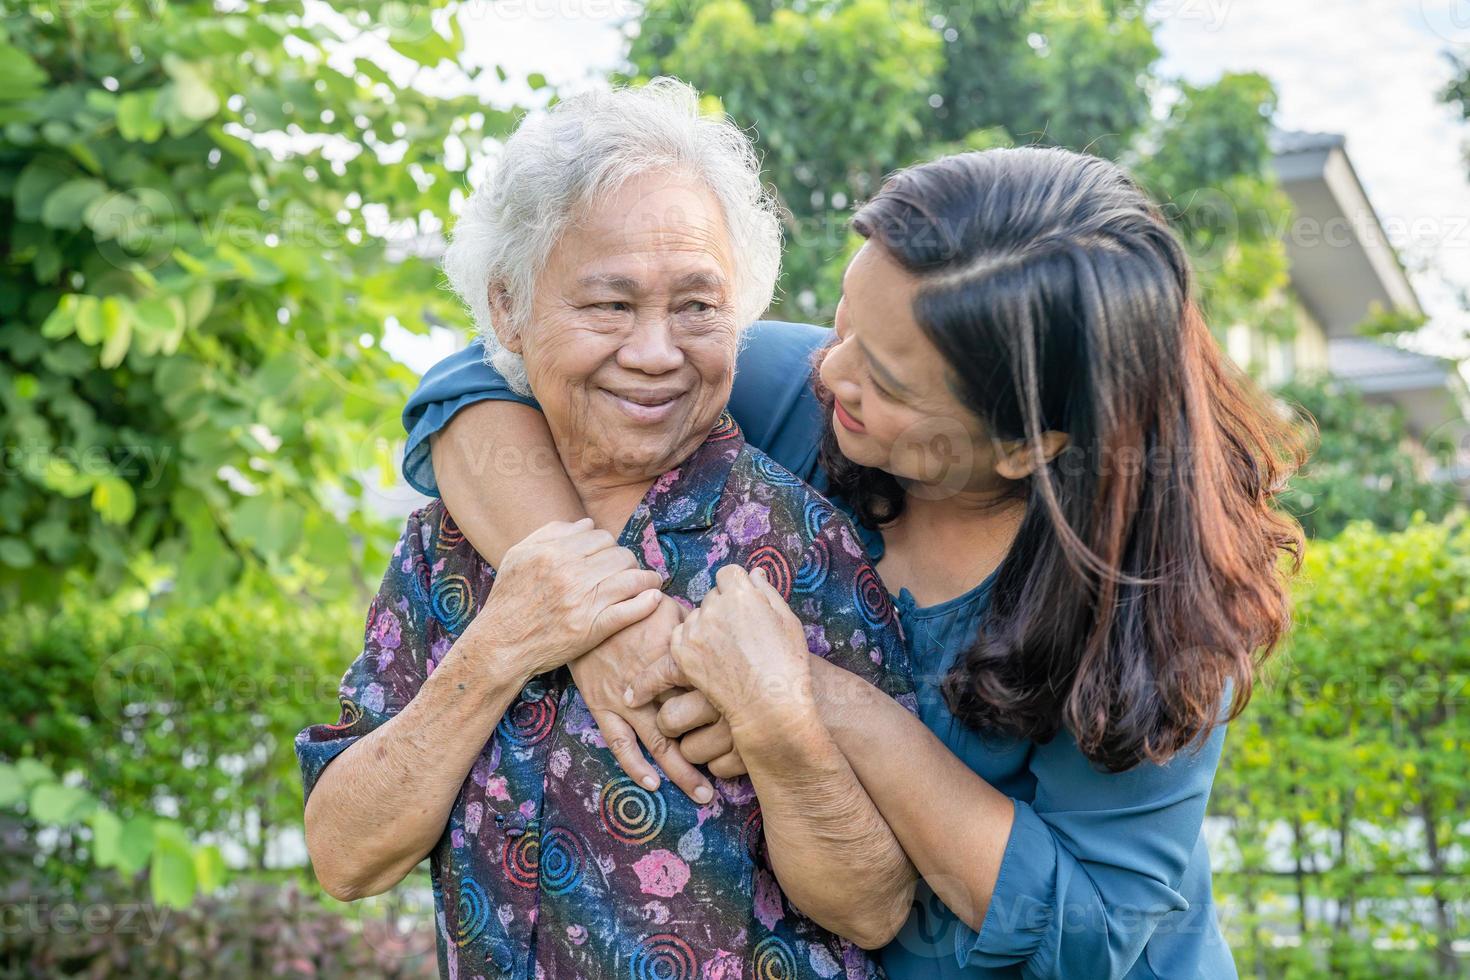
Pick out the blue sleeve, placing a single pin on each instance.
(460, 379)
(771, 401)
(1093, 864)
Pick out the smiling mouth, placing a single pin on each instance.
(645, 407)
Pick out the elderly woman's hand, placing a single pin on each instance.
(561, 591)
(602, 676)
(745, 650)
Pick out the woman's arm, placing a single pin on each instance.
(379, 808)
(500, 476)
(381, 782)
(834, 855)
(952, 824)
(1072, 884)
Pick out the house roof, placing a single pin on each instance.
(1342, 264)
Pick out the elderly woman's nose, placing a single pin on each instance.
(651, 347)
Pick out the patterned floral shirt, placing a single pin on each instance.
(554, 863)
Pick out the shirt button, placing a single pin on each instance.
(515, 824)
(534, 690)
(501, 956)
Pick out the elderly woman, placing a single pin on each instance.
(611, 264)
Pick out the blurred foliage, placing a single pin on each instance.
(196, 203)
(188, 712)
(934, 76)
(177, 869)
(1344, 787)
(1364, 465)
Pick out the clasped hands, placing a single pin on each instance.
(693, 686)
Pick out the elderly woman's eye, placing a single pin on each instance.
(698, 306)
(614, 307)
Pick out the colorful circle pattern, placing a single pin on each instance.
(871, 597)
(773, 960)
(663, 957)
(813, 572)
(473, 912)
(521, 860)
(778, 569)
(773, 473)
(528, 722)
(563, 860)
(631, 813)
(453, 602)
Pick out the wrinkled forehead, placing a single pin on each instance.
(663, 228)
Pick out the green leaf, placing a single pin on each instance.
(34, 186)
(199, 301)
(158, 323)
(209, 868)
(54, 803)
(117, 331)
(138, 119)
(114, 500)
(66, 205)
(106, 838)
(16, 553)
(135, 845)
(171, 876)
(33, 772)
(62, 320)
(89, 324)
(192, 95)
(20, 77)
(12, 788)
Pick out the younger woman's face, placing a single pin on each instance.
(894, 409)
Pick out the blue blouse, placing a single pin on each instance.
(1104, 874)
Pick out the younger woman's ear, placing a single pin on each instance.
(500, 317)
(1018, 460)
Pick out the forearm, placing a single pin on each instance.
(835, 857)
(951, 823)
(381, 805)
(500, 476)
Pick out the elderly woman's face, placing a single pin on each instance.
(631, 345)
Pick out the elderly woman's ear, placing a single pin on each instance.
(501, 318)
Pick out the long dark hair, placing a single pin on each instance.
(1148, 578)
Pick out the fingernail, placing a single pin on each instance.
(650, 782)
(628, 697)
(704, 794)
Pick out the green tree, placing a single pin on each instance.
(1364, 465)
(197, 203)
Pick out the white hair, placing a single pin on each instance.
(556, 165)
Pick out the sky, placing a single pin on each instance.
(1369, 69)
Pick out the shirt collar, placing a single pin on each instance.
(686, 497)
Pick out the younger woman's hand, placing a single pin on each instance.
(703, 736)
(746, 651)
